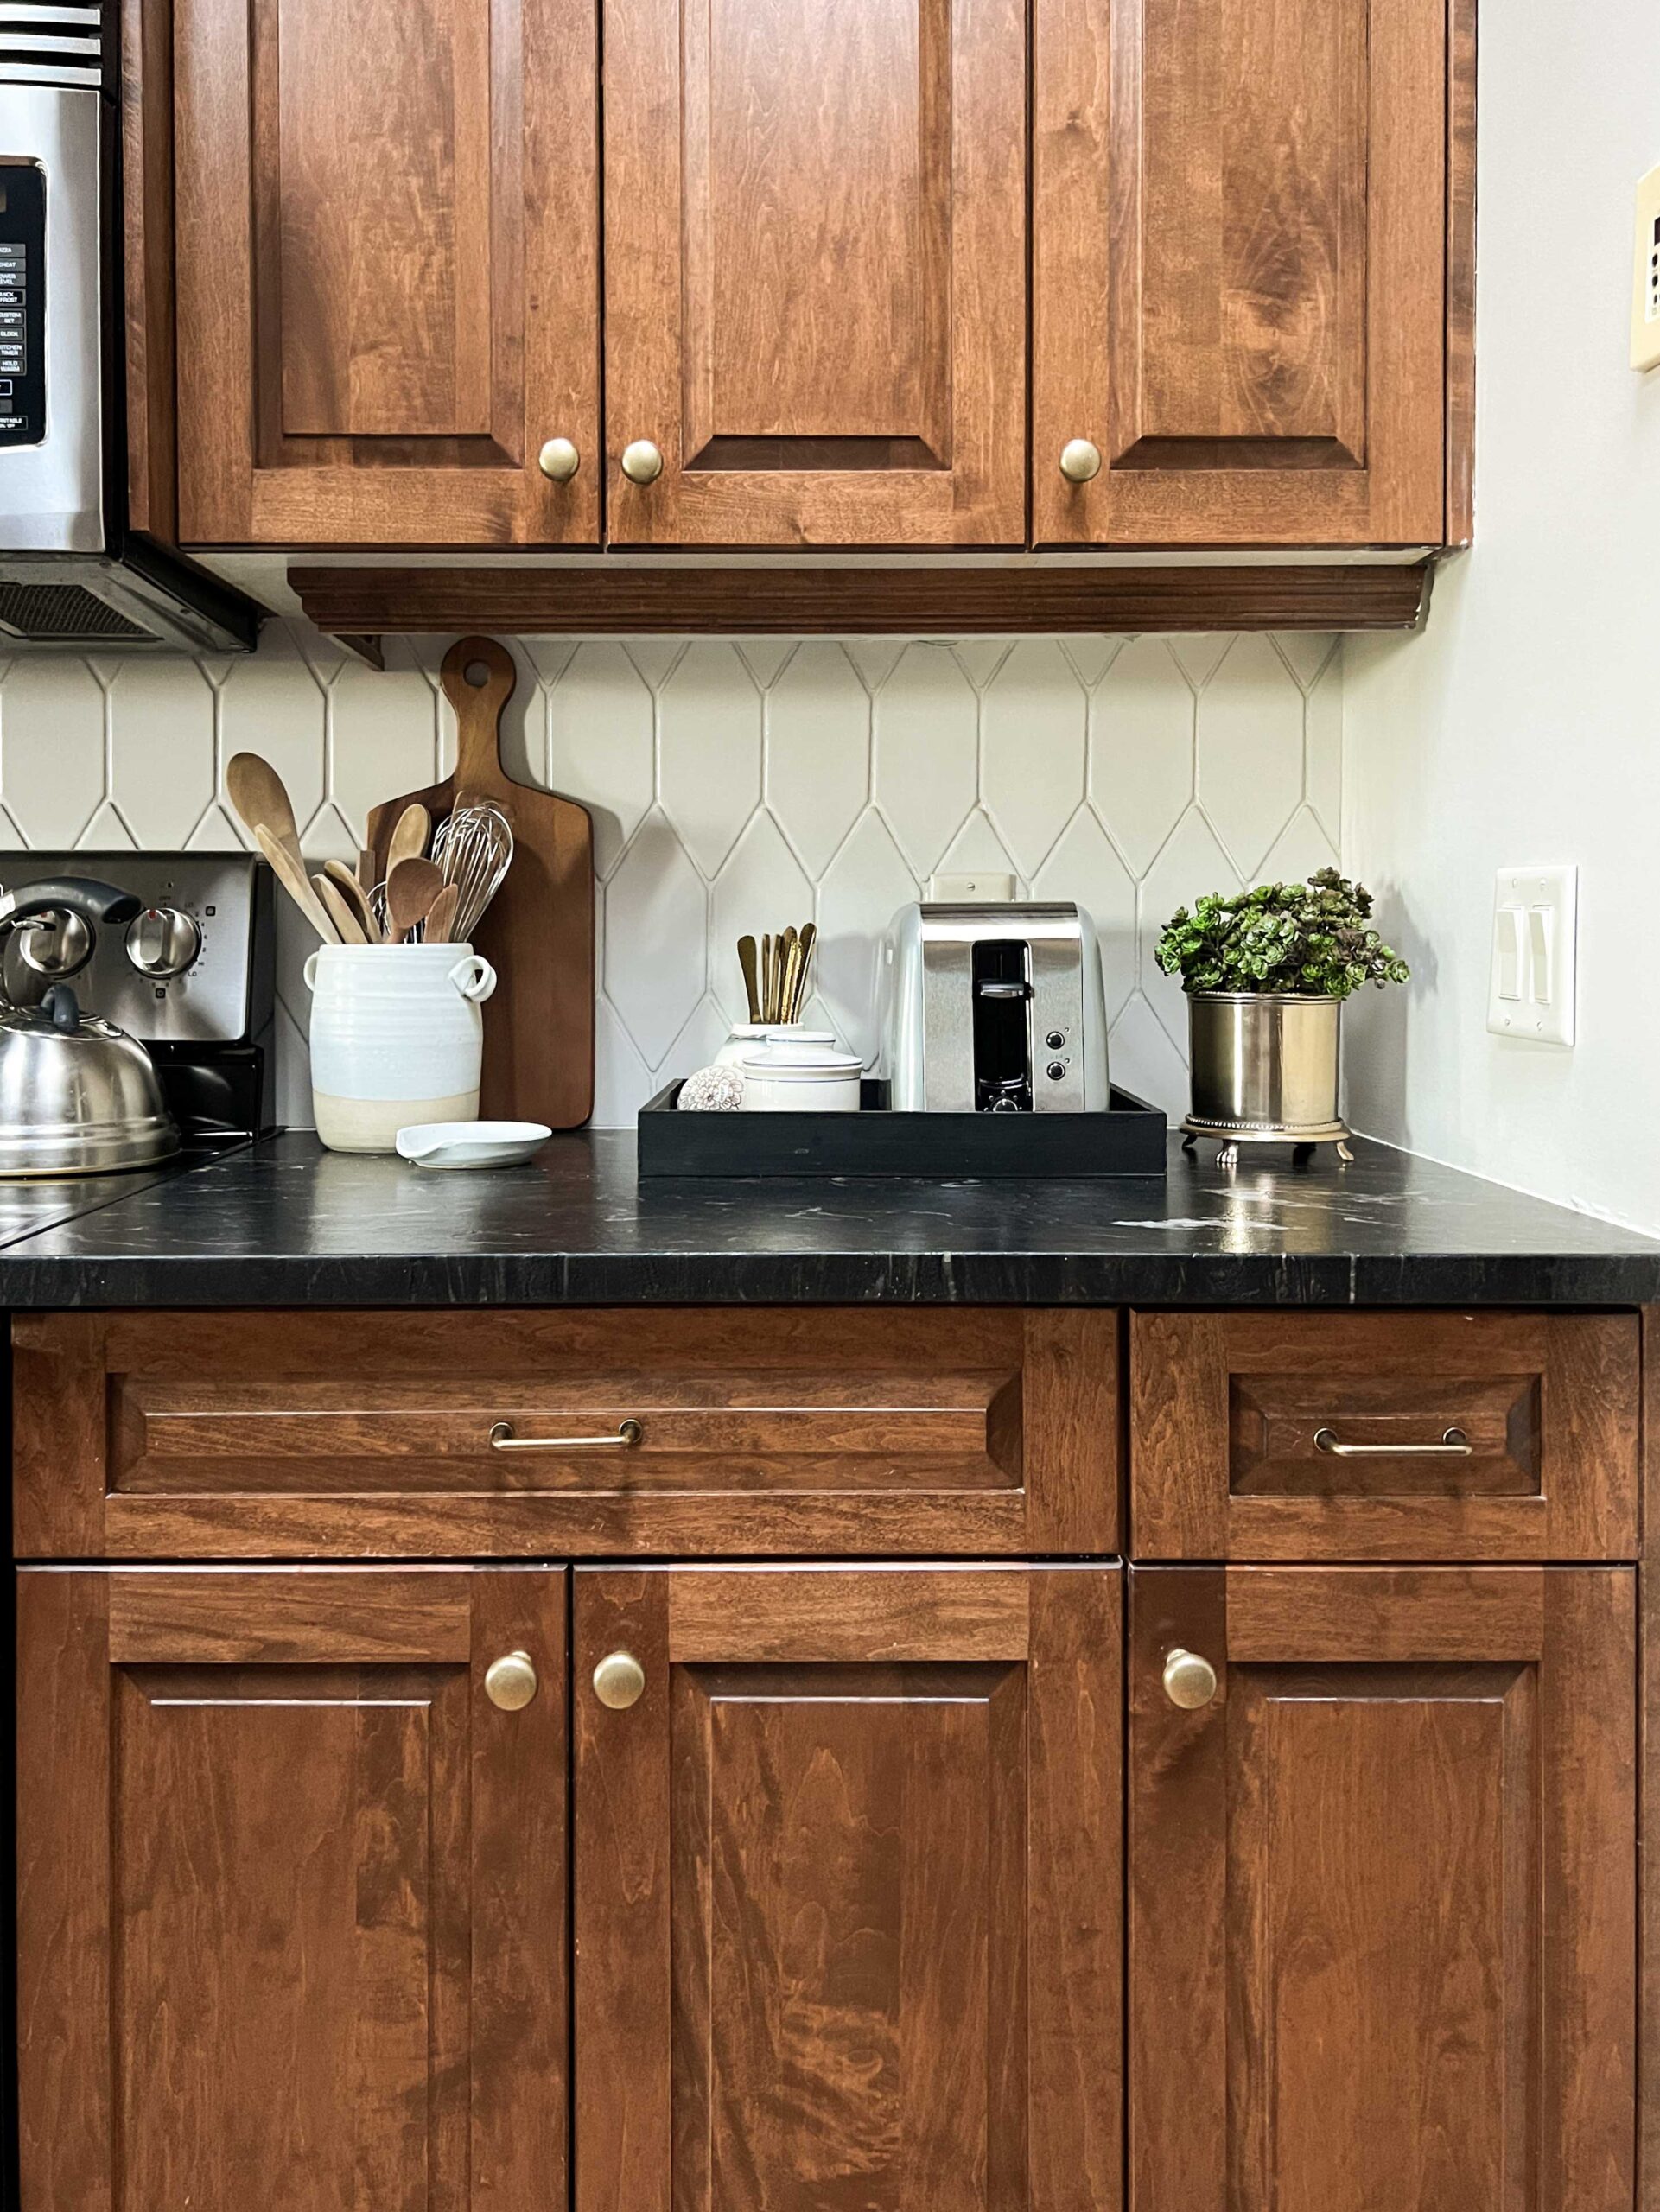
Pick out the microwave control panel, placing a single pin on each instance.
(22, 303)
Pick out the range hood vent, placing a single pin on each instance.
(56, 42)
(61, 613)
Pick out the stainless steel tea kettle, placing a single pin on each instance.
(77, 1095)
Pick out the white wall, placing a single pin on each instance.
(740, 785)
(1524, 726)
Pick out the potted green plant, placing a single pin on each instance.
(1266, 973)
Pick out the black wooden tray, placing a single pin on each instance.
(1128, 1139)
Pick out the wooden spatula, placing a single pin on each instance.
(538, 932)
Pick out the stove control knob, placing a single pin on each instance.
(162, 941)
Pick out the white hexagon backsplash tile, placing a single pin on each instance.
(1141, 748)
(864, 887)
(163, 777)
(927, 751)
(709, 741)
(383, 738)
(1190, 865)
(1250, 751)
(1083, 866)
(818, 749)
(602, 746)
(1300, 848)
(1033, 729)
(1323, 740)
(760, 891)
(760, 765)
(977, 849)
(270, 703)
(656, 935)
(1145, 1062)
(52, 748)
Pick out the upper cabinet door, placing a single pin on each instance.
(387, 226)
(815, 220)
(1239, 267)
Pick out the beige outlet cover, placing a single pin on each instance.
(1645, 296)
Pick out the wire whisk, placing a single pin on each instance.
(473, 847)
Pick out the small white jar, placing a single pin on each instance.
(749, 1036)
(792, 1081)
(396, 1037)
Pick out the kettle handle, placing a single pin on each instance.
(93, 900)
(60, 1003)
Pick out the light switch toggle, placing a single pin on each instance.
(1531, 989)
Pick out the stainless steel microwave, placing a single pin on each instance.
(72, 575)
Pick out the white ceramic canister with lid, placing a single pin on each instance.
(396, 1037)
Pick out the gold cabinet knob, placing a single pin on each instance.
(1079, 460)
(641, 462)
(510, 1681)
(618, 1680)
(1189, 1681)
(559, 459)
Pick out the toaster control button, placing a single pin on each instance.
(1056, 1072)
(1055, 1039)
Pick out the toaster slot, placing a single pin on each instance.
(1003, 1028)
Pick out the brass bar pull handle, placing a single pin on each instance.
(1454, 1445)
(502, 1439)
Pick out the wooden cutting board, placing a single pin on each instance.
(538, 932)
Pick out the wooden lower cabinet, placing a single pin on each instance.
(848, 1896)
(846, 1905)
(291, 1891)
(1381, 1890)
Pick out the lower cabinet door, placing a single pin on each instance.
(292, 1890)
(848, 1889)
(1381, 1842)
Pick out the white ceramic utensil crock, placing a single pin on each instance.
(396, 1037)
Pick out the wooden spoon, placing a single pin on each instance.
(347, 883)
(339, 911)
(410, 836)
(440, 927)
(410, 889)
(290, 874)
(260, 794)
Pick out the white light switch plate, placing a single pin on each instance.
(970, 890)
(1531, 989)
(1645, 289)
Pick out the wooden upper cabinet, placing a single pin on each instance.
(1383, 1943)
(814, 230)
(290, 1916)
(387, 226)
(848, 1911)
(1240, 244)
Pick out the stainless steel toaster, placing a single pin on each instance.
(993, 1009)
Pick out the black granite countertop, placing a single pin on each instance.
(287, 1223)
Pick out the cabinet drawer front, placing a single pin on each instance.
(1384, 1436)
(614, 1431)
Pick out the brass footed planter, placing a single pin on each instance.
(1264, 1069)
